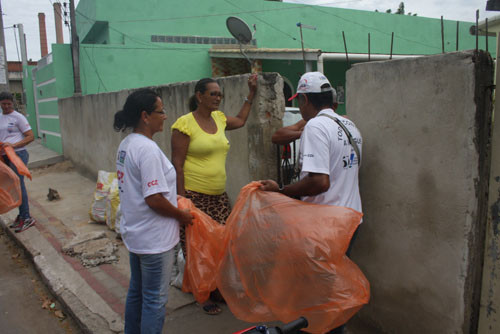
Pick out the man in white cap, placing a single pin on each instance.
(329, 153)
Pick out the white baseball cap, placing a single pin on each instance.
(311, 82)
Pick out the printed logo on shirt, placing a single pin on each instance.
(11, 127)
(152, 183)
(121, 156)
(350, 160)
(120, 175)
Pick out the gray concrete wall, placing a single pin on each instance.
(90, 142)
(424, 183)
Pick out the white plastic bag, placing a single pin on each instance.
(112, 204)
(181, 262)
(97, 211)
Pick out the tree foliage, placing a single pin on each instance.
(399, 11)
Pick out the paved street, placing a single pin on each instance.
(22, 295)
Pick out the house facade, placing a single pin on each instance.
(130, 44)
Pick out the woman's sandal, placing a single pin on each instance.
(211, 309)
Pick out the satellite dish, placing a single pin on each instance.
(239, 29)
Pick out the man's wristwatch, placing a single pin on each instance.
(248, 101)
(280, 189)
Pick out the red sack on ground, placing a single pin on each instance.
(285, 258)
(13, 157)
(10, 189)
(204, 241)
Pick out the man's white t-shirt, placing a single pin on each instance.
(12, 127)
(325, 149)
(143, 170)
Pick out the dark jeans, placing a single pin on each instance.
(24, 208)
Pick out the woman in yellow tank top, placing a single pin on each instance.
(199, 150)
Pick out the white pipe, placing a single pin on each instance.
(356, 57)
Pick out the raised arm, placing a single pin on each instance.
(240, 119)
(289, 133)
(180, 144)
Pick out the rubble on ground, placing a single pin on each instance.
(92, 249)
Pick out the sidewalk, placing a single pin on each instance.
(94, 296)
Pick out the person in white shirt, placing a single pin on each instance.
(329, 153)
(15, 131)
(150, 217)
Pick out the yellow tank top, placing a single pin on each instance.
(205, 165)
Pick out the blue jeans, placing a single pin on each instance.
(24, 208)
(148, 292)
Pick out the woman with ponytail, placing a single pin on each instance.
(150, 217)
(199, 149)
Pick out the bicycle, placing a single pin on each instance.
(290, 328)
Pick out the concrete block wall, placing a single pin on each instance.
(90, 142)
(424, 183)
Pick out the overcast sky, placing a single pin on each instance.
(26, 12)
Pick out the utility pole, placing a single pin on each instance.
(4, 76)
(75, 49)
(22, 42)
(24, 57)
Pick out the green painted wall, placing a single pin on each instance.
(52, 81)
(48, 108)
(129, 59)
(106, 68)
(276, 24)
(63, 70)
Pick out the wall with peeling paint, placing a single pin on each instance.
(424, 182)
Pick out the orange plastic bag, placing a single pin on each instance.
(10, 189)
(278, 259)
(204, 241)
(285, 258)
(21, 167)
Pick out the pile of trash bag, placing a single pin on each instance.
(10, 186)
(277, 258)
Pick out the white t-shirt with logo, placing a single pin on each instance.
(143, 170)
(325, 149)
(12, 127)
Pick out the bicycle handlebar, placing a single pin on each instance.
(295, 325)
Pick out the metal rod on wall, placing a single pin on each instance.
(442, 34)
(486, 36)
(392, 44)
(345, 47)
(369, 51)
(477, 30)
(302, 42)
(457, 33)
